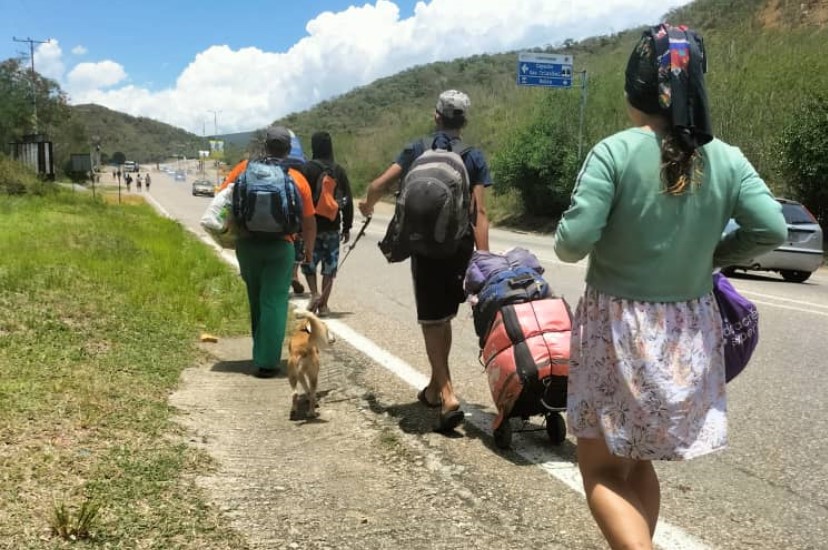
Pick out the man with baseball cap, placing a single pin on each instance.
(438, 283)
(267, 265)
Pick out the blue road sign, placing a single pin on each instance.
(550, 70)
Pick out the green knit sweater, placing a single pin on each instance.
(644, 244)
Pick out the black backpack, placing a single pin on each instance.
(433, 207)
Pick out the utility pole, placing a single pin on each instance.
(215, 135)
(215, 121)
(31, 43)
(583, 109)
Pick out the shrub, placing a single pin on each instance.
(541, 162)
(19, 179)
(805, 146)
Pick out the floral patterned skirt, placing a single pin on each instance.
(648, 377)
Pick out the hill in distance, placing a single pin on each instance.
(140, 138)
(765, 63)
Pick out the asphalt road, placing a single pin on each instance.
(769, 489)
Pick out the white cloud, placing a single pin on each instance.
(79, 50)
(85, 77)
(350, 48)
(48, 60)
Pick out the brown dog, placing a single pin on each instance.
(310, 336)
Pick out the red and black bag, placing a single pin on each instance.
(526, 357)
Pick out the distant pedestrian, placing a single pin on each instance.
(147, 182)
(118, 173)
(647, 366)
(128, 180)
(138, 182)
(114, 178)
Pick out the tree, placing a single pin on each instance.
(805, 146)
(16, 88)
(540, 159)
(118, 158)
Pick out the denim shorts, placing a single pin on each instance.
(326, 252)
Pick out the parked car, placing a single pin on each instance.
(180, 176)
(799, 256)
(204, 187)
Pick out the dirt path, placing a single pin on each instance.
(367, 474)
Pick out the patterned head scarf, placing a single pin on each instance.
(665, 75)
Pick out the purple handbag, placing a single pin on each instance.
(740, 325)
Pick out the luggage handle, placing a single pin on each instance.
(522, 281)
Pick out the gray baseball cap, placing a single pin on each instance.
(452, 103)
(278, 134)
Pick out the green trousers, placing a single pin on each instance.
(267, 270)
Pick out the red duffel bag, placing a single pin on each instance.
(526, 357)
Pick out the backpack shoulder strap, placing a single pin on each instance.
(425, 144)
(461, 147)
(324, 167)
(455, 145)
(317, 162)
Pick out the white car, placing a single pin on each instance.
(799, 256)
(204, 187)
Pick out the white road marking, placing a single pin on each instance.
(791, 308)
(781, 299)
(226, 255)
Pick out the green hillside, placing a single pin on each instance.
(141, 139)
(766, 61)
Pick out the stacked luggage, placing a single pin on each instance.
(524, 333)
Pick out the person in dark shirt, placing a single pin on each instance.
(438, 283)
(329, 231)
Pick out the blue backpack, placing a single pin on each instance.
(511, 286)
(266, 201)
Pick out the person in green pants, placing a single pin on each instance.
(267, 269)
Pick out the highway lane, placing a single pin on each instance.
(766, 491)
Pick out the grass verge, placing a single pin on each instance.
(100, 309)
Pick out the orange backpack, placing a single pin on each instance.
(326, 193)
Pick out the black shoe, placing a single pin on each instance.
(297, 287)
(266, 373)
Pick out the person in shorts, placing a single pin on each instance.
(329, 231)
(438, 284)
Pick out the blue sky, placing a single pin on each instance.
(156, 48)
(257, 60)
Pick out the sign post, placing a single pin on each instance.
(552, 70)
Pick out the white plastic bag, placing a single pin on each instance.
(217, 218)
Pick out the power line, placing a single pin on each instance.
(31, 43)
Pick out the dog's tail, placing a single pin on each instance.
(318, 330)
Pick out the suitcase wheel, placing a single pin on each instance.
(555, 428)
(503, 435)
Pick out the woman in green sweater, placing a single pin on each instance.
(647, 379)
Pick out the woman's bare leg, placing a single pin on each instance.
(614, 503)
(644, 482)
